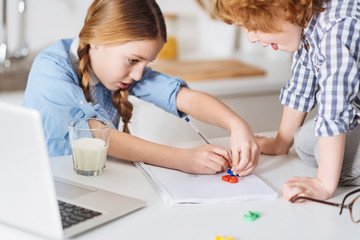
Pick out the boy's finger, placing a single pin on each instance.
(247, 171)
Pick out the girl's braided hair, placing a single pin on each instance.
(118, 22)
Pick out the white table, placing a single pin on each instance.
(279, 219)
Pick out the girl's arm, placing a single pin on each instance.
(206, 159)
(291, 120)
(243, 146)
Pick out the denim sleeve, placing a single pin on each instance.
(159, 89)
(52, 89)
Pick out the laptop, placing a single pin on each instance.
(31, 199)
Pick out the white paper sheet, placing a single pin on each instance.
(177, 187)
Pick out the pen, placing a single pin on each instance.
(197, 130)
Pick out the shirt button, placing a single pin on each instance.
(307, 46)
(81, 102)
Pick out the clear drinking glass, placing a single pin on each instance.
(89, 139)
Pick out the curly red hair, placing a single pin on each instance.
(263, 15)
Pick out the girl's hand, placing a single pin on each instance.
(245, 152)
(305, 186)
(206, 159)
(270, 146)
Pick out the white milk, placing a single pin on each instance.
(89, 155)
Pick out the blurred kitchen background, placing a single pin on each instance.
(28, 26)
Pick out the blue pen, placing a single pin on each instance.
(197, 130)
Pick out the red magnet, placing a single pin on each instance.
(233, 180)
(225, 178)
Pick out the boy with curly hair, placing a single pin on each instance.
(324, 36)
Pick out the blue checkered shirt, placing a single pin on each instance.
(325, 69)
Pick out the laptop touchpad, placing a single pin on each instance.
(67, 191)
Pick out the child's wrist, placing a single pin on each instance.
(238, 125)
(328, 186)
(282, 146)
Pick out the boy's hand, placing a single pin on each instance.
(305, 186)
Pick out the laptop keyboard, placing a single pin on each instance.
(72, 214)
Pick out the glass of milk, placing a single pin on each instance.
(89, 139)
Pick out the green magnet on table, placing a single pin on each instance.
(252, 216)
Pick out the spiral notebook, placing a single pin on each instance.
(177, 187)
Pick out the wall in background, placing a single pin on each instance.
(198, 34)
(46, 21)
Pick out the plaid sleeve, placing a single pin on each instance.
(338, 79)
(299, 93)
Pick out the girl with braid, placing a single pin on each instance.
(92, 76)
